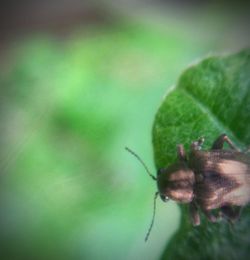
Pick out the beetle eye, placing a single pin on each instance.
(164, 198)
(160, 171)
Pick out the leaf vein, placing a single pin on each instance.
(217, 122)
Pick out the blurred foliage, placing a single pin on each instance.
(211, 98)
(68, 108)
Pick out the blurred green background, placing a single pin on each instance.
(77, 89)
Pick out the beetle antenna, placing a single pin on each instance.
(145, 167)
(153, 218)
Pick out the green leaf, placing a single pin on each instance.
(211, 98)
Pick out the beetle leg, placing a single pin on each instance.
(211, 217)
(230, 213)
(181, 152)
(201, 141)
(196, 145)
(194, 214)
(218, 143)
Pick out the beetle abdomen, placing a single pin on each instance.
(224, 182)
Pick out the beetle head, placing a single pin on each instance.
(176, 182)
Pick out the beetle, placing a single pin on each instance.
(216, 181)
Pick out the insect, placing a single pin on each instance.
(215, 182)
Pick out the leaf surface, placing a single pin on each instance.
(211, 97)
